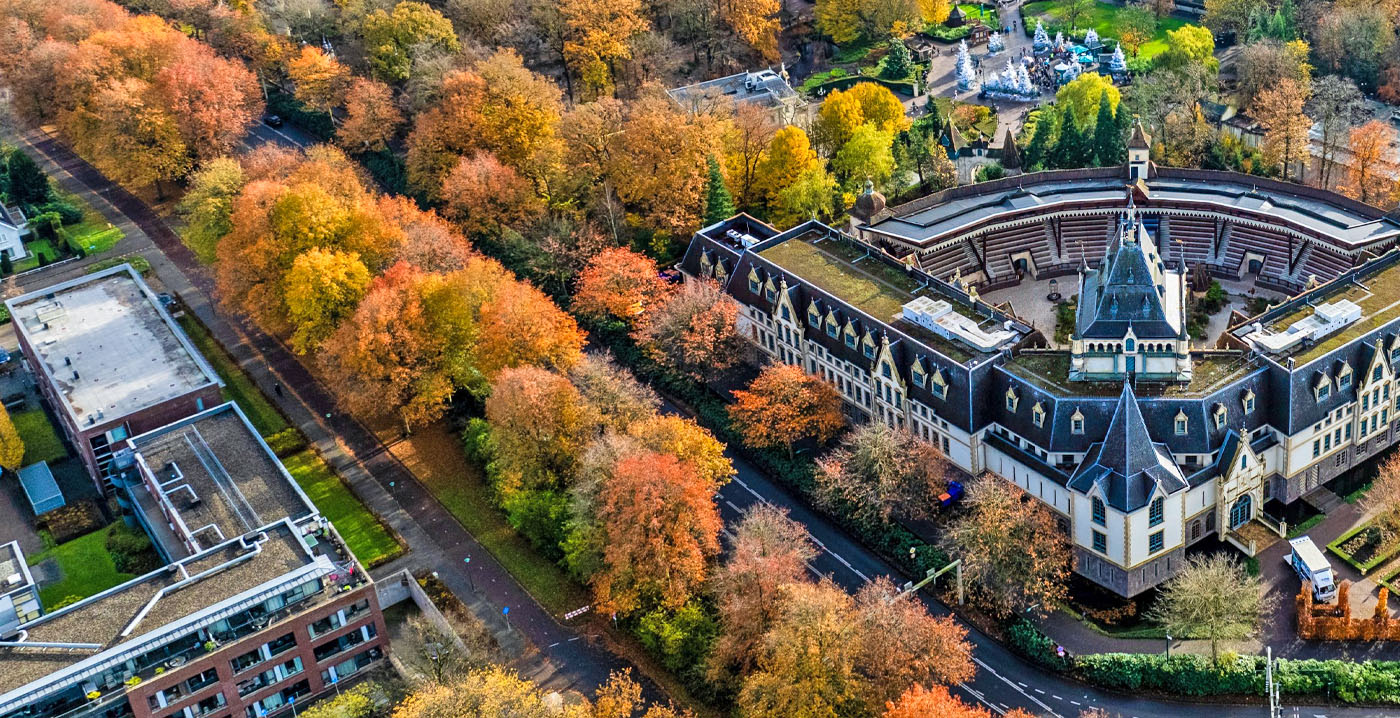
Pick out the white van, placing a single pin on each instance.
(1312, 566)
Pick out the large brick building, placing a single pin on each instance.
(110, 361)
(261, 606)
(1140, 443)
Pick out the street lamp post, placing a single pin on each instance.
(468, 570)
(1169, 645)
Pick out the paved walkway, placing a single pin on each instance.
(553, 654)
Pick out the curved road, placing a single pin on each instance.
(1003, 681)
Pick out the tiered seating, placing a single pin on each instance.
(1324, 263)
(1195, 235)
(942, 263)
(1093, 232)
(998, 246)
(1273, 245)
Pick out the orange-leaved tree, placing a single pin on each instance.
(694, 331)
(660, 528)
(784, 405)
(484, 196)
(618, 284)
(922, 702)
(371, 117)
(1368, 173)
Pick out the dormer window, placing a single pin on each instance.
(1155, 513)
(916, 373)
(1076, 423)
(1323, 388)
(1181, 423)
(833, 327)
(814, 317)
(1012, 400)
(850, 335)
(755, 286)
(938, 385)
(1220, 416)
(886, 370)
(1129, 346)
(787, 315)
(1248, 401)
(720, 272)
(1100, 514)
(1344, 378)
(1395, 350)
(770, 292)
(1038, 415)
(869, 347)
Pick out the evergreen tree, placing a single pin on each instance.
(28, 184)
(1109, 148)
(1070, 147)
(719, 204)
(1037, 154)
(7, 266)
(899, 62)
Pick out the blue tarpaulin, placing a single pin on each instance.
(40, 487)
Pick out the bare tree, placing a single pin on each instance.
(877, 470)
(1382, 500)
(1213, 597)
(1337, 105)
(441, 656)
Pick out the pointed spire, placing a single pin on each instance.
(1127, 447)
(1010, 156)
(1140, 140)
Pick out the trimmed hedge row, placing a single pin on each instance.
(1196, 675)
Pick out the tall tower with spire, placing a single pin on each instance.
(1131, 318)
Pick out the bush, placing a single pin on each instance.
(987, 173)
(539, 516)
(131, 550)
(46, 224)
(67, 212)
(387, 169)
(682, 640)
(69, 522)
(286, 442)
(1023, 638)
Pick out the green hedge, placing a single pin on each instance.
(1196, 675)
(1380, 558)
(316, 124)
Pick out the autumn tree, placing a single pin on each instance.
(693, 331)
(660, 528)
(921, 702)
(485, 197)
(657, 163)
(1013, 554)
(539, 425)
(596, 38)
(1214, 597)
(768, 550)
(811, 194)
(877, 470)
(207, 206)
(848, 20)
(867, 155)
(746, 144)
(806, 664)
(372, 119)
(1083, 94)
(1263, 65)
(484, 693)
(1135, 26)
(689, 442)
(619, 284)
(845, 111)
(11, 445)
(394, 39)
(1337, 105)
(1231, 15)
(430, 242)
(756, 23)
(1280, 110)
(319, 80)
(1368, 174)
(615, 399)
(323, 287)
(900, 644)
(784, 405)
(1382, 500)
(128, 135)
(213, 100)
(789, 155)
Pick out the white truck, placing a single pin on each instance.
(1312, 566)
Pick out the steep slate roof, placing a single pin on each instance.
(1131, 288)
(1127, 465)
(1139, 140)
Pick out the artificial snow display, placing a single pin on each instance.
(1059, 41)
(1042, 40)
(994, 43)
(1118, 64)
(1013, 84)
(1073, 71)
(1091, 38)
(964, 68)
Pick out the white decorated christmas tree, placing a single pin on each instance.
(964, 68)
(1117, 63)
(1012, 84)
(1041, 40)
(1074, 70)
(994, 43)
(1059, 41)
(1023, 82)
(1091, 37)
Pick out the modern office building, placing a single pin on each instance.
(1140, 442)
(262, 604)
(110, 361)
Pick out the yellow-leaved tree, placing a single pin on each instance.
(11, 446)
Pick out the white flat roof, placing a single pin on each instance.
(108, 346)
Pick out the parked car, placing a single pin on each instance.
(272, 120)
(1312, 566)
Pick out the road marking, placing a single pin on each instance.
(1037, 690)
(1012, 683)
(1052, 695)
(981, 698)
(814, 539)
(1077, 703)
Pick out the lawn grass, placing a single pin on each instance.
(40, 437)
(435, 456)
(1102, 16)
(237, 386)
(86, 566)
(34, 248)
(986, 13)
(94, 233)
(362, 531)
(1299, 529)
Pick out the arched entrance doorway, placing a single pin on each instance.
(1241, 512)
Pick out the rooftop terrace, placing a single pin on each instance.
(148, 604)
(221, 481)
(1210, 372)
(866, 282)
(1378, 296)
(108, 346)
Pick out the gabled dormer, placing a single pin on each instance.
(1012, 400)
(755, 282)
(1344, 377)
(1247, 401)
(938, 384)
(1076, 422)
(1038, 415)
(1322, 387)
(917, 373)
(814, 315)
(1219, 415)
(1181, 424)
